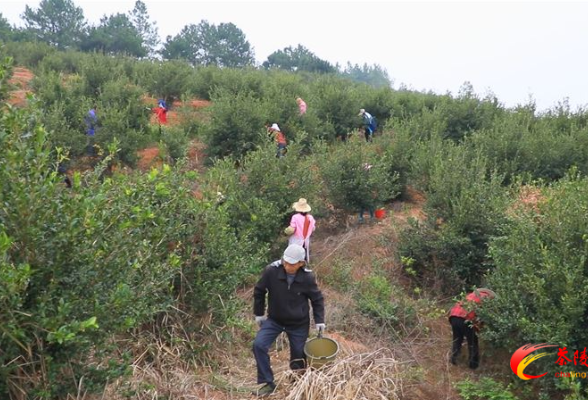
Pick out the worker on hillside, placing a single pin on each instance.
(464, 322)
(161, 112)
(302, 225)
(280, 139)
(289, 287)
(369, 124)
(301, 106)
(91, 121)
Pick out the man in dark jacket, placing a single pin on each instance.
(289, 287)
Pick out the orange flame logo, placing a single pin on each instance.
(521, 358)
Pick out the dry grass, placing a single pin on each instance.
(363, 376)
(164, 364)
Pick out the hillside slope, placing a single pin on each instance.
(410, 359)
(413, 360)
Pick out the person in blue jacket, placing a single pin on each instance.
(91, 121)
(369, 124)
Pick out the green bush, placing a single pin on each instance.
(166, 79)
(77, 265)
(259, 195)
(120, 111)
(122, 115)
(65, 108)
(429, 124)
(484, 389)
(374, 300)
(468, 113)
(5, 74)
(192, 121)
(441, 258)
(80, 265)
(539, 148)
(67, 62)
(97, 70)
(237, 124)
(175, 142)
(28, 54)
(540, 270)
(466, 205)
(337, 104)
(388, 305)
(357, 177)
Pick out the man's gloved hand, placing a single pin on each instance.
(260, 319)
(321, 327)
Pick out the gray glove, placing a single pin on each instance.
(321, 327)
(260, 319)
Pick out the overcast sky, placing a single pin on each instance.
(516, 50)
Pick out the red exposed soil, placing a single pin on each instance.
(148, 158)
(20, 79)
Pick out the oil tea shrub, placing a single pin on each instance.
(79, 264)
(540, 272)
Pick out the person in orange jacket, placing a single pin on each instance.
(280, 139)
(464, 323)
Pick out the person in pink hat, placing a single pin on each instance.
(302, 225)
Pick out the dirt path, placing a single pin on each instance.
(20, 80)
(362, 245)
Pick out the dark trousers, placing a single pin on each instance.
(369, 134)
(461, 328)
(266, 336)
(281, 150)
(363, 210)
(90, 150)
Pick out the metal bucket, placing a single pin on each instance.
(320, 351)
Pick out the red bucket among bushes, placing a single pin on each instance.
(380, 213)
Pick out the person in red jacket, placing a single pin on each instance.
(161, 112)
(464, 322)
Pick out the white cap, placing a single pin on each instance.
(294, 254)
(275, 127)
